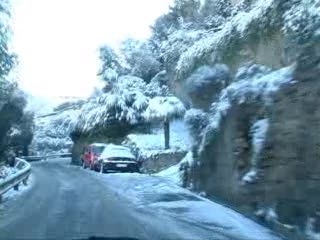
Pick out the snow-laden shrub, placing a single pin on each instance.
(158, 85)
(213, 45)
(107, 108)
(177, 43)
(140, 58)
(128, 83)
(205, 84)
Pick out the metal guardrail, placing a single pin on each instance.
(13, 181)
(38, 158)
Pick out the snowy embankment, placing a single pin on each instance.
(174, 173)
(7, 173)
(157, 194)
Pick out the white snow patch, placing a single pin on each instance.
(250, 177)
(258, 131)
(6, 172)
(174, 173)
(310, 231)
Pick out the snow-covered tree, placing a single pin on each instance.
(7, 59)
(215, 8)
(21, 134)
(186, 11)
(110, 65)
(164, 109)
(142, 61)
(12, 104)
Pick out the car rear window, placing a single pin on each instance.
(98, 149)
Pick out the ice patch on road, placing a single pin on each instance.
(163, 196)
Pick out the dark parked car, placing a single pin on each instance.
(115, 158)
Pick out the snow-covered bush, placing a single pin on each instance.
(141, 59)
(158, 85)
(205, 84)
(128, 83)
(177, 43)
(111, 66)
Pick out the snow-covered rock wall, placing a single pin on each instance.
(257, 145)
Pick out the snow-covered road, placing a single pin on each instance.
(67, 202)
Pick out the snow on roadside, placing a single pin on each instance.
(13, 194)
(156, 194)
(174, 173)
(6, 172)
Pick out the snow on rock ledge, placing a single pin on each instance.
(259, 87)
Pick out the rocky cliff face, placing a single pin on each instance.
(259, 150)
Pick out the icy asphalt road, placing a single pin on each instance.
(67, 202)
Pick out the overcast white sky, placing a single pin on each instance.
(56, 40)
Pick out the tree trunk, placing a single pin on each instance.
(166, 126)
